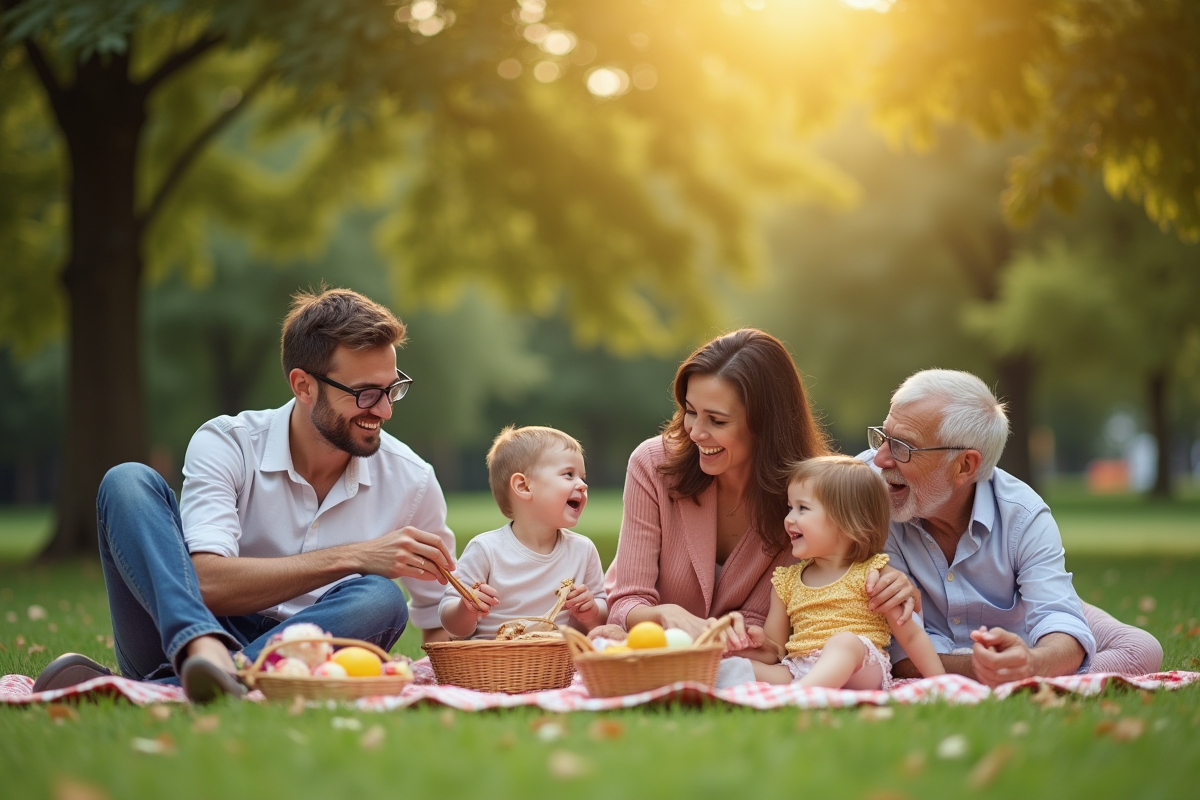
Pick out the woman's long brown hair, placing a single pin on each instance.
(762, 372)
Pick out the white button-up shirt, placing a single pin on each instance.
(242, 496)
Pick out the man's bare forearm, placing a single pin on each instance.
(1057, 654)
(955, 665)
(239, 585)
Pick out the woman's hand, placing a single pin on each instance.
(890, 588)
(735, 636)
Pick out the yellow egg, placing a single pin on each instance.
(359, 662)
(646, 635)
(615, 650)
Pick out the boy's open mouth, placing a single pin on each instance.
(575, 503)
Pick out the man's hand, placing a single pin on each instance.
(406, 553)
(891, 588)
(583, 607)
(1000, 656)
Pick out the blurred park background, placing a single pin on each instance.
(562, 198)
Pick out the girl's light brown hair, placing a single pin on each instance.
(854, 498)
(519, 450)
(782, 426)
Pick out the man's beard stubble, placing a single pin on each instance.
(339, 431)
(921, 502)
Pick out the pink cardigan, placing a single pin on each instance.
(667, 552)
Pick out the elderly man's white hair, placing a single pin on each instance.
(971, 415)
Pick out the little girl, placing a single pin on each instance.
(837, 522)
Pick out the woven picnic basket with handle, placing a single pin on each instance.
(285, 687)
(643, 670)
(512, 667)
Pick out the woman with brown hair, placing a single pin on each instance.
(702, 530)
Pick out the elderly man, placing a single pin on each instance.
(983, 547)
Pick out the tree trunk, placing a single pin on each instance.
(102, 116)
(1160, 423)
(1016, 375)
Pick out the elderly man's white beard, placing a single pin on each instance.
(921, 502)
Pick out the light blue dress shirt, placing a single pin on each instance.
(1008, 572)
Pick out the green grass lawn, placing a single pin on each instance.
(1011, 748)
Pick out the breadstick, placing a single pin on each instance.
(466, 593)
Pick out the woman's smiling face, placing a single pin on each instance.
(715, 420)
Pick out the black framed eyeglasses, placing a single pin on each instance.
(367, 398)
(901, 450)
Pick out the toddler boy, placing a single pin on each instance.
(537, 477)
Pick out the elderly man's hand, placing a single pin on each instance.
(1000, 656)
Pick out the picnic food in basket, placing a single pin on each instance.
(622, 669)
(527, 655)
(285, 668)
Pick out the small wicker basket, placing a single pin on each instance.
(285, 687)
(512, 667)
(643, 670)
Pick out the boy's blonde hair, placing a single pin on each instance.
(519, 450)
(854, 497)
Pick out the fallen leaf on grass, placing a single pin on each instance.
(34, 649)
(1128, 728)
(1193, 631)
(206, 724)
(61, 713)
(1141, 620)
(989, 767)
(606, 729)
(10, 617)
(954, 746)
(347, 724)
(913, 764)
(64, 605)
(1147, 604)
(52, 627)
(36, 613)
(803, 721)
(160, 712)
(875, 713)
(550, 731)
(71, 789)
(887, 794)
(297, 706)
(567, 765)
(162, 744)
(1019, 728)
(4, 648)
(234, 747)
(296, 736)
(1046, 697)
(1109, 707)
(506, 740)
(1147, 697)
(447, 718)
(19, 641)
(373, 738)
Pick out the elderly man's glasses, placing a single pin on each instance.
(901, 451)
(367, 398)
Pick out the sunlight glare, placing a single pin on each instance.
(607, 82)
(423, 10)
(871, 5)
(558, 43)
(645, 77)
(431, 27)
(535, 33)
(546, 71)
(532, 11)
(509, 69)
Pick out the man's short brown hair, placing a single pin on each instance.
(519, 450)
(320, 321)
(854, 497)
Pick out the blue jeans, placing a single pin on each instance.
(154, 594)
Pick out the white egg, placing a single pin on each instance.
(330, 669)
(677, 637)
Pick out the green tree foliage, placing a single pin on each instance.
(612, 206)
(1112, 87)
(1111, 296)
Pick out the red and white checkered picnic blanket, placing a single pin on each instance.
(955, 689)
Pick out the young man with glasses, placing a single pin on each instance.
(982, 546)
(304, 513)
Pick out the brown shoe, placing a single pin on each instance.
(204, 682)
(68, 670)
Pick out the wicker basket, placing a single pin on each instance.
(643, 670)
(285, 687)
(512, 667)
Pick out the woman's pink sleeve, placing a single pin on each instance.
(632, 577)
